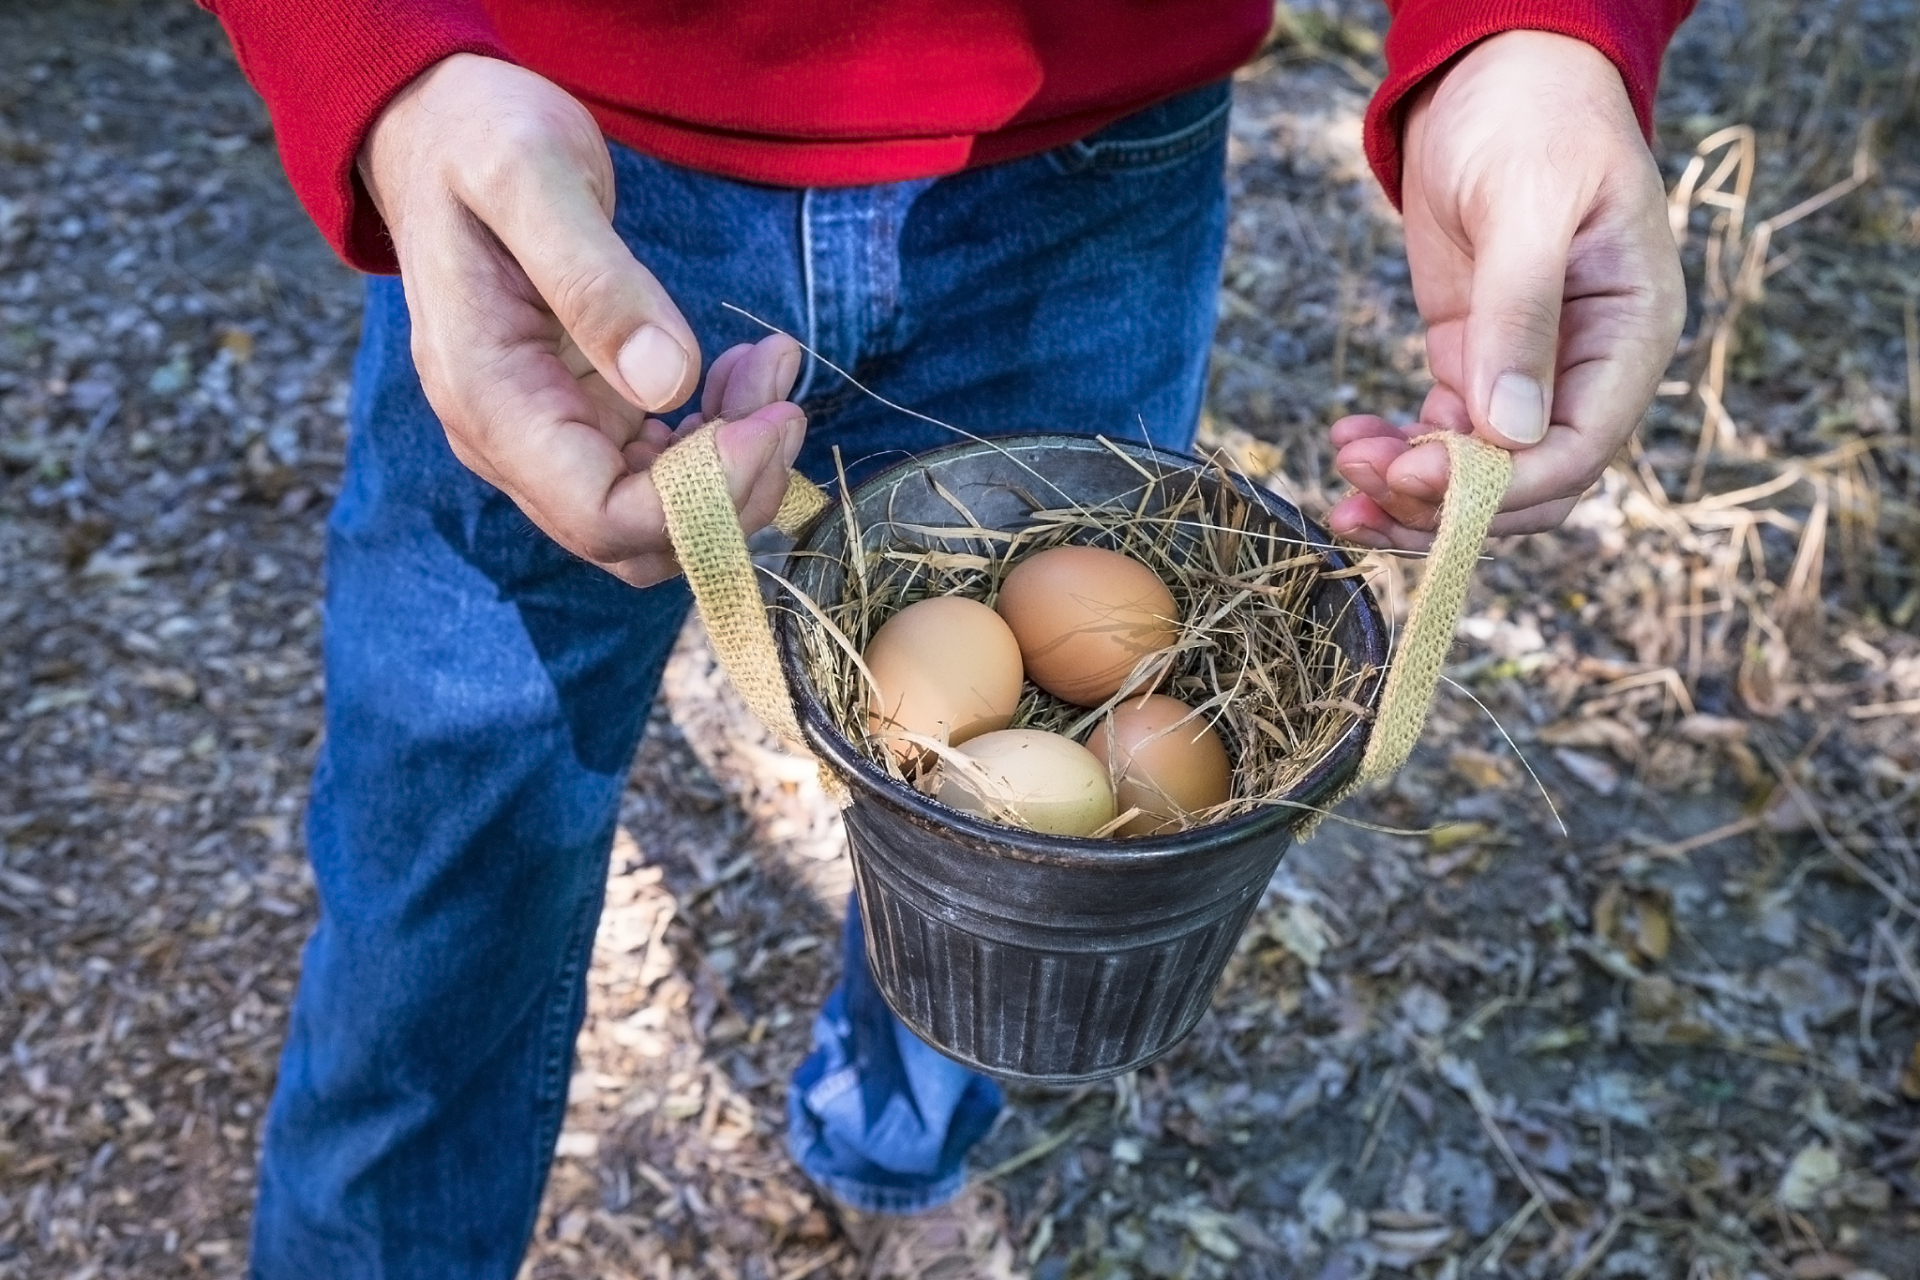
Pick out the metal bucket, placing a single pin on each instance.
(1031, 957)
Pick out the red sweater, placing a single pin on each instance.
(834, 93)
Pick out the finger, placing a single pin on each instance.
(756, 453)
(1370, 466)
(1535, 519)
(1364, 465)
(1443, 409)
(1360, 519)
(556, 226)
(1364, 426)
(763, 375)
(1512, 328)
(1561, 468)
(717, 375)
(1410, 482)
(654, 438)
(647, 570)
(610, 411)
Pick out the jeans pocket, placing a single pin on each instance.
(1157, 138)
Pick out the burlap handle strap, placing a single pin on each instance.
(712, 549)
(1476, 483)
(707, 538)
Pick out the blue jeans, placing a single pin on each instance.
(486, 690)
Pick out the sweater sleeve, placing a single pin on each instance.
(1426, 34)
(326, 69)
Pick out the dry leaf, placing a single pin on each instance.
(1603, 732)
(1482, 770)
(1402, 1249)
(1451, 835)
(1302, 932)
(1596, 774)
(1635, 921)
(1813, 1170)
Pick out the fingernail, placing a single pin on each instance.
(654, 366)
(1518, 408)
(784, 374)
(793, 434)
(1366, 537)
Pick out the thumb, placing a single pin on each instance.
(616, 312)
(1513, 323)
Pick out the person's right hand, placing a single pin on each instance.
(541, 343)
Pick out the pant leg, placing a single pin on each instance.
(875, 1115)
(1070, 292)
(485, 694)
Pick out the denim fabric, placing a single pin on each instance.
(874, 1115)
(486, 691)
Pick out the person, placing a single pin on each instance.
(1002, 213)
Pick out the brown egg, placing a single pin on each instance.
(947, 668)
(1027, 778)
(1084, 617)
(1165, 768)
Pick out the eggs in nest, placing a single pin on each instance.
(1078, 621)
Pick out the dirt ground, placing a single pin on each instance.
(1681, 1040)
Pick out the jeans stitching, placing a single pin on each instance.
(1144, 155)
(807, 287)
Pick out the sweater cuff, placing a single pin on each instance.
(326, 69)
(1426, 35)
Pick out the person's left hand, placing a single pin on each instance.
(1543, 265)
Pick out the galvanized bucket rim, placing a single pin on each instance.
(869, 783)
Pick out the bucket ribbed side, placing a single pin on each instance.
(1032, 1011)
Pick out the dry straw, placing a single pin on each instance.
(1252, 656)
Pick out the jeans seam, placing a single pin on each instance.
(807, 287)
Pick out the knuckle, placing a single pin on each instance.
(490, 177)
(586, 296)
(1673, 310)
(1531, 318)
(496, 171)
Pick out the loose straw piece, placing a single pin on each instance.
(712, 549)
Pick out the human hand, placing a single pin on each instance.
(541, 343)
(1543, 265)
